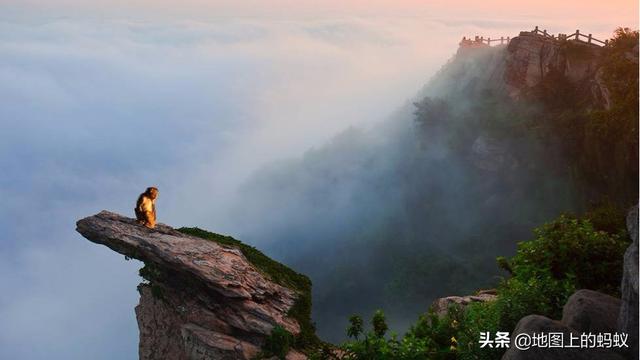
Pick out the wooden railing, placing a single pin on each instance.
(576, 36)
(481, 40)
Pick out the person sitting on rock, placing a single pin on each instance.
(146, 207)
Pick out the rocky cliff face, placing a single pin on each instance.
(524, 71)
(521, 66)
(203, 300)
(531, 58)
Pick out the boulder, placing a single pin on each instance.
(441, 306)
(591, 311)
(536, 324)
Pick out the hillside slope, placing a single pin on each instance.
(501, 140)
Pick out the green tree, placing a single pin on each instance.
(379, 323)
(355, 329)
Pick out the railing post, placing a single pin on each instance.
(590, 38)
(489, 41)
(578, 34)
(535, 30)
(501, 40)
(544, 33)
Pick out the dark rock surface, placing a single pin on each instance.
(539, 324)
(591, 311)
(441, 305)
(628, 317)
(531, 58)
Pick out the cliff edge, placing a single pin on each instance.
(206, 296)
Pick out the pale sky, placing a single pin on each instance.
(619, 11)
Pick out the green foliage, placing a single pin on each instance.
(613, 133)
(355, 328)
(153, 275)
(440, 330)
(280, 274)
(517, 297)
(619, 67)
(565, 255)
(540, 294)
(459, 118)
(503, 264)
(151, 272)
(599, 139)
(608, 217)
(301, 311)
(277, 344)
(479, 317)
(276, 271)
(431, 338)
(570, 248)
(379, 324)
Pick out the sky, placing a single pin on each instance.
(488, 9)
(101, 99)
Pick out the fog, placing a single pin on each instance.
(418, 206)
(93, 109)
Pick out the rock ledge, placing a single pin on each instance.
(206, 300)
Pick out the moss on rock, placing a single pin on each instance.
(280, 274)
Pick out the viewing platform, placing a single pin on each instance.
(481, 41)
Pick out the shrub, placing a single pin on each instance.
(566, 254)
(277, 343)
(355, 328)
(379, 323)
(571, 249)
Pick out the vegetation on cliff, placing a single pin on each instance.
(599, 144)
(566, 254)
(282, 275)
(428, 199)
(561, 123)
